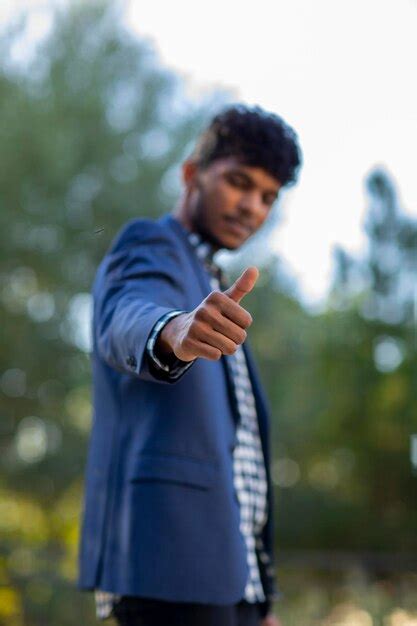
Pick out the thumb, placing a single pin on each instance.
(243, 285)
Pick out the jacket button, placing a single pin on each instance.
(131, 361)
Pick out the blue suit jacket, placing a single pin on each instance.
(161, 518)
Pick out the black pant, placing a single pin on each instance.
(130, 611)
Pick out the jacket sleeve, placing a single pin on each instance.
(139, 281)
(172, 366)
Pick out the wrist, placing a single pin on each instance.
(165, 342)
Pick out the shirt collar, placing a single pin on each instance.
(203, 248)
(204, 251)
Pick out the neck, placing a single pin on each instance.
(182, 214)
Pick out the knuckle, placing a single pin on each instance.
(242, 336)
(187, 342)
(230, 349)
(245, 317)
(192, 331)
(248, 320)
(214, 297)
(200, 313)
(210, 313)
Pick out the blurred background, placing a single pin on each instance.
(99, 104)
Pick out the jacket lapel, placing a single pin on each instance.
(182, 235)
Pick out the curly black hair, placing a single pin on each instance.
(255, 137)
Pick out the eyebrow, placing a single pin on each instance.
(237, 171)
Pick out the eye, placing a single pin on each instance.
(270, 198)
(236, 180)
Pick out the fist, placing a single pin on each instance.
(216, 327)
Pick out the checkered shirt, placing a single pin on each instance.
(248, 463)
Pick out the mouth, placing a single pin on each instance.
(237, 226)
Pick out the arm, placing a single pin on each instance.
(138, 282)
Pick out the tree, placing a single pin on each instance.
(92, 130)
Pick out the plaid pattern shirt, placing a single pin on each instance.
(248, 462)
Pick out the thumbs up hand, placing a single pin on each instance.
(216, 327)
(243, 285)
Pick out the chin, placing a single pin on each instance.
(226, 242)
(233, 243)
(232, 247)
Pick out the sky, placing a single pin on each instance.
(341, 73)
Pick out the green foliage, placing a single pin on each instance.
(341, 384)
(92, 133)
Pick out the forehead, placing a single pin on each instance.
(257, 174)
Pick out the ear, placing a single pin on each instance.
(189, 173)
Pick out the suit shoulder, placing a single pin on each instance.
(141, 231)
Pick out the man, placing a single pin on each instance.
(177, 524)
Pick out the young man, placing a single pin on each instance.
(177, 525)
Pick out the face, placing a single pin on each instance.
(227, 202)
